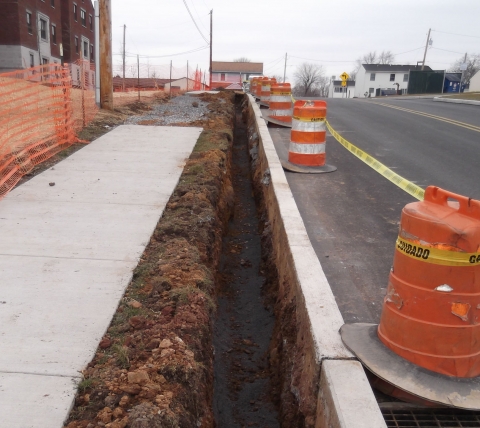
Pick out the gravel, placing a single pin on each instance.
(178, 109)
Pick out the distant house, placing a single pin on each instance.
(181, 85)
(225, 74)
(475, 83)
(33, 32)
(336, 90)
(133, 84)
(374, 80)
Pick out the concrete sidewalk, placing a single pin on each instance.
(67, 253)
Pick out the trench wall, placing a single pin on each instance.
(328, 385)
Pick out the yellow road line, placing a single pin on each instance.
(409, 187)
(433, 116)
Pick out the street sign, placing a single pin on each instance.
(344, 83)
(344, 76)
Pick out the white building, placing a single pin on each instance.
(336, 90)
(374, 80)
(181, 85)
(475, 83)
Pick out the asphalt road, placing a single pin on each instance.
(352, 215)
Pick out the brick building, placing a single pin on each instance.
(32, 32)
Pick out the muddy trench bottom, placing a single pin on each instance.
(244, 325)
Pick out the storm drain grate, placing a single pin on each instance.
(424, 418)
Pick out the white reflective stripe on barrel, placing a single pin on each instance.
(286, 112)
(307, 149)
(308, 126)
(280, 98)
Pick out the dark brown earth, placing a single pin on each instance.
(243, 391)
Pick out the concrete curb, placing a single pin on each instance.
(342, 394)
(456, 101)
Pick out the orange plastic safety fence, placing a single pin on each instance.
(38, 118)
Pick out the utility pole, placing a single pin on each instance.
(285, 69)
(106, 76)
(211, 36)
(124, 31)
(426, 47)
(138, 77)
(170, 93)
(187, 75)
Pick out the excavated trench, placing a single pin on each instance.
(243, 389)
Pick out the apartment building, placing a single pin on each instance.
(34, 32)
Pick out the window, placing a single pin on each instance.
(90, 21)
(372, 77)
(29, 22)
(32, 60)
(52, 2)
(44, 61)
(392, 77)
(405, 77)
(75, 12)
(340, 89)
(43, 29)
(83, 17)
(371, 90)
(76, 44)
(85, 50)
(91, 53)
(222, 77)
(54, 34)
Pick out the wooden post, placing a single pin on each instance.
(106, 73)
(138, 78)
(211, 41)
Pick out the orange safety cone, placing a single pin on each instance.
(306, 151)
(428, 340)
(280, 112)
(265, 91)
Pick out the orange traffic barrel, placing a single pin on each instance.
(258, 89)
(431, 313)
(306, 151)
(427, 344)
(265, 91)
(253, 85)
(281, 102)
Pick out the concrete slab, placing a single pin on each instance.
(54, 311)
(67, 253)
(457, 101)
(31, 401)
(345, 399)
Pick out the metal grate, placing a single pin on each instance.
(435, 418)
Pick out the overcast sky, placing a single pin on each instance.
(329, 33)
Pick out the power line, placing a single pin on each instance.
(193, 19)
(165, 56)
(455, 34)
(445, 50)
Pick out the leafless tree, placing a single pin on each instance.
(473, 65)
(386, 57)
(310, 80)
(242, 59)
(278, 78)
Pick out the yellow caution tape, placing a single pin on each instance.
(309, 119)
(409, 187)
(436, 256)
